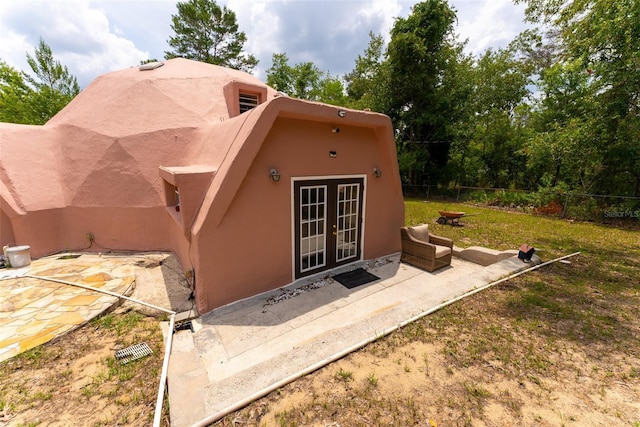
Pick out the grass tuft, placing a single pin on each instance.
(345, 376)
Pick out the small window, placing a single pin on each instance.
(172, 195)
(247, 102)
(177, 199)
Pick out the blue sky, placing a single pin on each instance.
(95, 37)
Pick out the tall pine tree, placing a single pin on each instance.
(209, 33)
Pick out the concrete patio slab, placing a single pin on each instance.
(241, 352)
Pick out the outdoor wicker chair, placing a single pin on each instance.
(423, 249)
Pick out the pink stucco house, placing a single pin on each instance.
(251, 189)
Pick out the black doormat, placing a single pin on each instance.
(354, 278)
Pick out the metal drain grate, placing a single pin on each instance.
(134, 352)
(183, 326)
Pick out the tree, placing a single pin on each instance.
(208, 33)
(425, 91)
(598, 40)
(487, 148)
(280, 74)
(35, 99)
(14, 96)
(305, 81)
(332, 91)
(565, 148)
(363, 82)
(53, 86)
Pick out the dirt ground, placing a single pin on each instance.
(77, 381)
(492, 359)
(530, 352)
(414, 385)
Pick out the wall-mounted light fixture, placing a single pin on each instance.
(342, 113)
(377, 172)
(335, 130)
(275, 175)
(332, 154)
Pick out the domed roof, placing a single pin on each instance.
(177, 93)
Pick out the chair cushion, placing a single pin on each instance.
(420, 232)
(442, 251)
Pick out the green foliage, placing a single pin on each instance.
(35, 99)
(14, 96)
(407, 163)
(345, 376)
(49, 73)
(53, 86)
(472, 122)
(363, 82)
(121, 324)
(332, 91)
(372, 380)
(280, 74)
(505, 198)
(208, 33)
(487, 150)
(591, 93)
(424, 89)
(305, 81)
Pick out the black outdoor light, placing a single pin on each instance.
(377, 172)
(275, 175)
(341, 113)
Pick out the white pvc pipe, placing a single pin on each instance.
(102, 291)
(239, 405)
(167, 350)
(157, 417)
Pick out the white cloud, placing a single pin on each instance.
(14, 47)
(78, 33)
(262, 26)
(14, 43)
(329, 33)
(386, 11)
(92, 37)
(488, 23)
(332, 33)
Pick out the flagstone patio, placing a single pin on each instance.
(34, 310)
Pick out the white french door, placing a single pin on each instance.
(328, 223)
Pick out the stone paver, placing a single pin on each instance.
(34, 311)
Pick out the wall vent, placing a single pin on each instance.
(247, 101)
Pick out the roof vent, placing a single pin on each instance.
(151, 66)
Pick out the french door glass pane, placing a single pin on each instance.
(346, 244)
(312, 227)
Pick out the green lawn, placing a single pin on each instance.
(556, 346)
(503, 229)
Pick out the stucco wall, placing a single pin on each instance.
(86, 173)
(141, 229)
(6, 230)
(251, 249)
